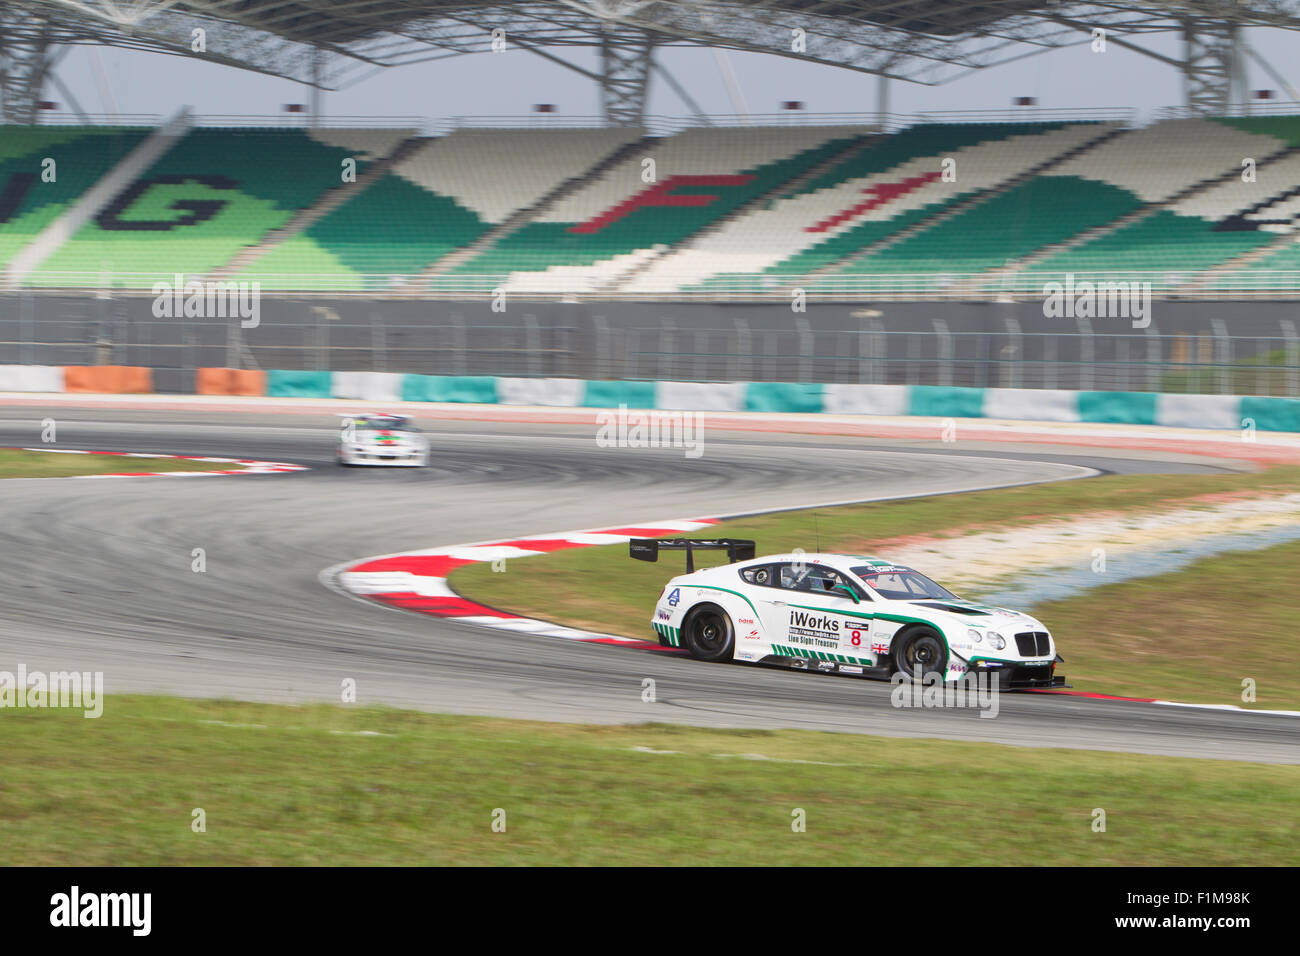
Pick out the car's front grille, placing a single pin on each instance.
(1033, 644)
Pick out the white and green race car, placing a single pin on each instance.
(842, 613)
(377, 439)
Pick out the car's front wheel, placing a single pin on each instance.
(708, 634)
(920, 653)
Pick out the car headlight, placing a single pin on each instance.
(997, 642)
(975, 635)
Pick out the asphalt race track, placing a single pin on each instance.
(97, 575)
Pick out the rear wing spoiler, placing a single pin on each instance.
(647, 549)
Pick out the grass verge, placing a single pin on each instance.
(331, 785)
(20, 463)
(1192, 635)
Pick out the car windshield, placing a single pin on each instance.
(385, 425)
(902, 584)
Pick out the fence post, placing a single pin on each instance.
(741, 352)
(379, 360)
(532, 345)
(878, 349)
(667, 333)
(1087, 355)
(458, 343)
(26, 329)
(945, 351)
(865, 349)
(1014, 377)
(232, 343)
(1222, 355)
(322, 339)
(601, 359)
(631, 354)
(1154, 357)
(1292, 358)
(805, 347)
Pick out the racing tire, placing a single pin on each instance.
(708, 634)
(921, 649)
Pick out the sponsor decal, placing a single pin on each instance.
(813, 630)
(814, 622)
(675, 597)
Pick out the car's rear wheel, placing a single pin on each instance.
(921, 652)
(708, 634)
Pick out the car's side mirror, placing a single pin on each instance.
(847, 590)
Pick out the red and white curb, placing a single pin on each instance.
(1168, 703)
(247, 466)
(417, 580)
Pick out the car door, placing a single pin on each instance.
(772, 602)
(804, 613)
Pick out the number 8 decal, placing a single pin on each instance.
(855, 637)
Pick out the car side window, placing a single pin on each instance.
(800, 577)
(816, 578)
(792, 577)
(807, 577)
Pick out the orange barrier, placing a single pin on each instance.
(108, 379)
(229, 381)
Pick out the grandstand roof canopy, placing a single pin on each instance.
(329, 43)
(921, 40)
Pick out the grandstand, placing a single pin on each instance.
(859, 249)
(968, 208)
(634, 207)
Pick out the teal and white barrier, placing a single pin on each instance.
(1022, 404)
(31, 378)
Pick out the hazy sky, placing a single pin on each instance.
(500, 84)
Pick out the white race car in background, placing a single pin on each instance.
(373, 439)
(841, 613)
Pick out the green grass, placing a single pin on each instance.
(300, 785)
(1192, 635)
(20, 463)
(1103, 634)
